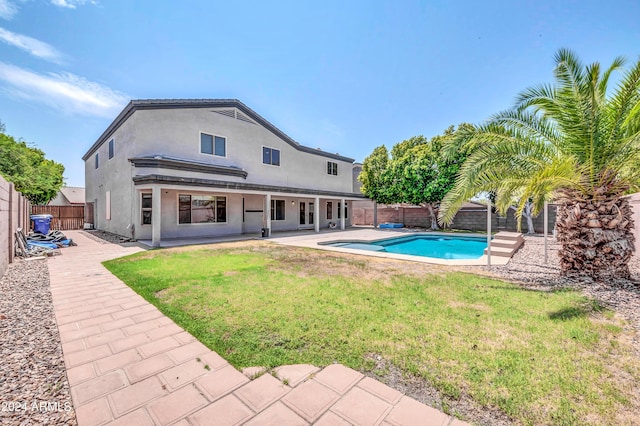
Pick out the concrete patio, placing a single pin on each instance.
(129, 364)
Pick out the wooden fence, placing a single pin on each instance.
(14, 213)
(64, 217)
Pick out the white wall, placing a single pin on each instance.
(176, 133)
(114, 175)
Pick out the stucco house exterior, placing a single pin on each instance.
(180, 168)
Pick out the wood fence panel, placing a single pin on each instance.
(64, 217)
(88, 213)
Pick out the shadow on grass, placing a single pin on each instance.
(579, 311)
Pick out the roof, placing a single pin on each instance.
(74, 194)
(151, 104)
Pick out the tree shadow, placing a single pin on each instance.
(578, 311)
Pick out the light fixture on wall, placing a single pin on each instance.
(293, 203)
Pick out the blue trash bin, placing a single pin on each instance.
(41, 223)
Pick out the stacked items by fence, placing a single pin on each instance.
(471, 219)
(65, 218)
(14, 213)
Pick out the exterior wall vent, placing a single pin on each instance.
(241, 116)
(228, 112)
(234, 113)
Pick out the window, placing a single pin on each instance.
(332, 168)
(97, 161)
(111, 149)
(346, 211)
(214, 145)
(107, 206)
(329, 209)
(146, 205)
(271, 156)
(201, 209)
(277, 209)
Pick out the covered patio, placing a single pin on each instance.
(176, 210)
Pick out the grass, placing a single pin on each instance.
(539, 357)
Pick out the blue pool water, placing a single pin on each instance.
(438, 246)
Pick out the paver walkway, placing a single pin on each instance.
(129, 364)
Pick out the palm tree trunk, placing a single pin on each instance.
(527, 214)
(596, 236)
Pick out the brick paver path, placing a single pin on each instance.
(128, 364)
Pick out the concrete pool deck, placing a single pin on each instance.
(367, 235)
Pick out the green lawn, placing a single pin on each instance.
(541, 358)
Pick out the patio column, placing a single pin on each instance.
(267, 209)
(342, 214)
(316, 213)
(156, 216)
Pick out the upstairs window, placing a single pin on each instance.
(332, 168)
(213, 145)
(97, 161)
(270, 156)
(111, 149)
(277, 209)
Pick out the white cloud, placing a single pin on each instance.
(71, 4)
(7, 9)
(67, 92)
(33, 46)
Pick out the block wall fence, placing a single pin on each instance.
(467, 219)
(14, 214)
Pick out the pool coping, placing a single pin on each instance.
(320, 241)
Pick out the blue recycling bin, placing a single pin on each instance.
(41, 223)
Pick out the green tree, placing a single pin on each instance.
(373, 176)
(36, 177)
(415, 173)
(574, 142)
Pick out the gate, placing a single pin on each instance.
(64, 217)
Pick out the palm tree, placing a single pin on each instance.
(572, 142)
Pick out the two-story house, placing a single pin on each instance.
(210, 167)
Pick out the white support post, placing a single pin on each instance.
(488, 233)
(156, 216)
(316, 213)
(546, 229)
(267, 209)
(342, 219)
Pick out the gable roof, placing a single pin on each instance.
(74, 194)
(150, 104)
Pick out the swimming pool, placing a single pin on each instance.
(438, 246)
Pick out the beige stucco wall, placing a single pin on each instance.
(176, 133)
(114, 175)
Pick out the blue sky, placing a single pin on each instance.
(345, 76)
